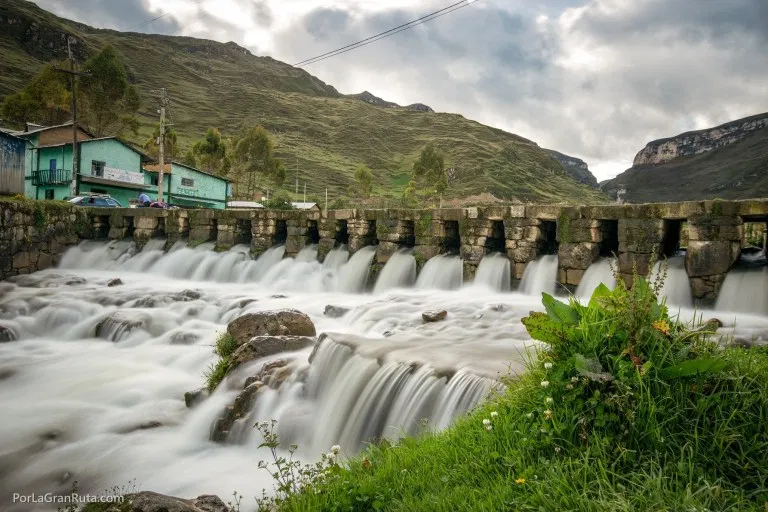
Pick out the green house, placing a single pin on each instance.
(108, 165)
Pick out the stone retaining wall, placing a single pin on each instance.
(636, 234)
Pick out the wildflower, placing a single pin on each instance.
(335, 449)
(520, 481)
(662, 326)
(548, 414)
(557, 449)
(486, 422)
(404, 471)
(550, 400)
(366, 464)
(494, 414)
(489, 427)
(545, 383)
(330, 456)
(569, 387)
(529, 415)
(548, 366)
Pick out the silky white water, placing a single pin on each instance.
(540, 276)
(494, 272)
(598, 273)
(442, 272)
(398, 272)
(93, 388)
(676, 288)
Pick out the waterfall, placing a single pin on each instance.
(597, 273)
(494, 272)
(354, 275)
(336, 258)
(540, 276)
(677, 287)
(442, 272)
(399, 272)
(745, 290)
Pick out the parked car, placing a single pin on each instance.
(99, 201)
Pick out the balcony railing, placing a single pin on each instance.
(51, 177)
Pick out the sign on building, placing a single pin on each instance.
(114, 174)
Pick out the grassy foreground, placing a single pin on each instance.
(624, 410)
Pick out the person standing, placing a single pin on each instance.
(144, 199)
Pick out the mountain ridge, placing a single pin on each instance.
(320, 133)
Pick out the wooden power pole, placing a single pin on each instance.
(73, 74)
(160, 175)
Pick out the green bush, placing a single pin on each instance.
(624, 408)
(280, 201)
(224, 348)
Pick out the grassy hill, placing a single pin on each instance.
(323, 133)
(736, 171)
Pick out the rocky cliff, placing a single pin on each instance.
(375, 100)
(701, 141)
(576, 167)
(727, 162)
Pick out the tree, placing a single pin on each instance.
(45, 100)
(210, 153)
(254, 161)
(429, 168)
(152, 147)
(280, 201)
(363, 185)
(109, 102)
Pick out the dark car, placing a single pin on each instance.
(101, 201)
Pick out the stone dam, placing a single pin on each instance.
(710, 234)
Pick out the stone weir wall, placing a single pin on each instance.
(712, 233)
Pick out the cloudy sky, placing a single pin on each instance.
(595, 79)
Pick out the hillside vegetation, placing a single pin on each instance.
(319, 131)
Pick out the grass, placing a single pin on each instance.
(625, 410)
(224, 348)
(323, 133)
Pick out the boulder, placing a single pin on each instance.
(114, 282)
(146, 501)
(434, 316)
(578, 255)
(118, 325)
(192, 398)
(184, 338)
(240, 408)
(272, 374)
(265, 346)
(710, 258)
(335, 311)
(7, 334)
(287, 322)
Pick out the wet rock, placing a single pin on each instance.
(335, 311)
(75, 281)
(143, 426)
(498, 307)
(119, 325)
(387, 334)
(434, 316)
(240, 408)
(265, 346)
(153, 301)
(192, 398)
(188, 295)
(146, 501)
(184, 338)
(7, 334)
(288, 322)
(114, 282)
(278, 296)
(272, 374)
(714, 323)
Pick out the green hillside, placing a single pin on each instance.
(323, 133)
(736, 171)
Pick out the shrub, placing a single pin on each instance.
(280, 201)
(224, 348)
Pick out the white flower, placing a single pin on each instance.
(494, 414)
(549, 400)
(574, 379)
(486, 422)
(557, 449)
(335, 449)
(569, 387)
(545, 383)
(330, 456)
(529, 415)
(488, 427)
(548, 414)
(548, 366)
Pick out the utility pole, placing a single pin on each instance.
(305, 192)
(73, 73)
(326, 199)
(160, 175)
(297, 175)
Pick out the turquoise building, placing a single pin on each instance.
(108, 165)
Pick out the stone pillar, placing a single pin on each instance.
(202, 227)
(117, 226)
(428, 233)
(522, 237)
(639, 242)
(147, 226)
(473, 232)
(714, 245)
(176, 227)
(225, 232)
(262, 231)
(296, 225)
(579, 246)
(326, 229)
(362, 230)
(393, 230)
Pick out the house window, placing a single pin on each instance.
(97, 168)
(153, 179)
(49, 193)
(187, 182)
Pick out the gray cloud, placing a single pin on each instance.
(118, 15)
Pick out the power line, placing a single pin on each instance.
(382, 33)
(143, 23)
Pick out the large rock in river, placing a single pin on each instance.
(146, 501)
(286, 322)
(264, 346)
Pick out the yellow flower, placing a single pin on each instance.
(662, 326)
(520, 481)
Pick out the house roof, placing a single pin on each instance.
(244, 204)
(145, 157)
(168, 169)
(44, 128)
(304, 206)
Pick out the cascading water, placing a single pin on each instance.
(442, 272)
(355, 274)
(398, 272)
(676, 288)
(494, 272)
(598, 273)
(540, 276)
(745, 291)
